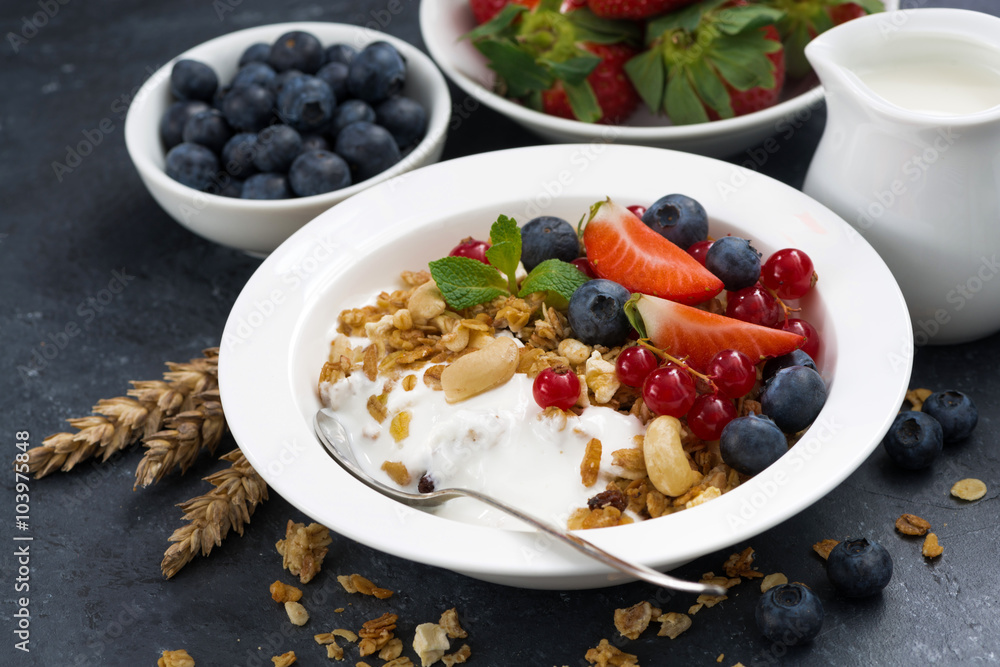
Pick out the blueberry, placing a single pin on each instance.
(679, 219)
(208, 128)
(789, 614)
(258, 74)
(859, 568)
(335, 75)
(405, 119)
(548, 237)
(597, 314)
(314, 142)
(340, 53)
(751, 443)
(306, 103)
(282, 79)
(296, 50)
(733, 261)
(277, 147)
(193, 80)
(377, 73)
(316, 172)
(250, 108)
(266, 186)
(219, 97)
(793, 358)
(237, 155)
(793, 398)
(192, 165)
(956, 413)
(914, 440)
(351, 111)
(368, 148)
(255, 53)
(173, 121)
(234, 189)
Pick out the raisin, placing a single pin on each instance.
(426, 483)
(613, 497)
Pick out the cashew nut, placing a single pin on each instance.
(666, 462)
(425, 303)
(480, 371)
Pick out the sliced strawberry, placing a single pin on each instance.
(699, 335)
(485, 10)
(634, 9)
(615, 93)
(622, 248)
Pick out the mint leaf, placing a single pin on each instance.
(632, 313)
(465, 282)
(505, 248)
(553, 275)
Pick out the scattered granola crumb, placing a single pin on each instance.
(281, 592)
(695, 608)
(334, 652)
(346, 634)
(430, 641)
(338, 610)
(284, 659)
(824, 547)
(911, 524)
(178, 658)
(376, 633)
(969, 489)
(772, 580)
(303, 549)
(633, 621)
(672, 624)
(355, 583)
(711, 600)
(392, 650)
(399, 662)
(916, 398)
(449, 621)
(721, 656)
(931, 547)
(741, 565)
(297, 614)
(459, 656)
(606, 655)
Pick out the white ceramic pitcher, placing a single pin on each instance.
(911, 158)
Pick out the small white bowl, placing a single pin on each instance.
(256, 226)
(444, 22)
(279, 331)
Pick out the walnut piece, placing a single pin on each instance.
(931, 547)
(284, 659)
(633, 621)
(430, 641)
(281, 592)
(911, 524)
(449, 621)
(969, 489)
(606, 655)
(297, 614)
(824, 547)
(178, 658)
(303, 549)
(673, 624)
(459, 656)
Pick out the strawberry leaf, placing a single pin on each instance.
(465, 282)
(575, 70)
(553, 275)
(682, 103)
(549, 6)
(686, 19)
(751, 17)
(710, 88)
(742, 60)
(634, 318)
(591, 28)
(583, 101)
(870, 6)
(520, 72)
(498, 24)
(648, 74)
(505, 248)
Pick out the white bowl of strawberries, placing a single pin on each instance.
(711, 77)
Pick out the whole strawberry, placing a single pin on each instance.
(568, 64)
(715, 59)
(485, 10)
(804, 19)
(634, 9)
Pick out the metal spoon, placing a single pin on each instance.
(337, 442)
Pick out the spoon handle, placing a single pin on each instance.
(636, 570)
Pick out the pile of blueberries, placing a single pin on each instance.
(297, 120)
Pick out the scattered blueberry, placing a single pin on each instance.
(351, 111)
(266, 186)
(254, 73)
(956, 413)
(733, 261)
(793, 398)
(789, 614)
(316, 172)
(192, 165)
(859, 568)
(751, 443)
(314, 142)
(793, 358)
(237, 155)
(548, 237)
(340, 53)
(193, 80)
(306, 103)
(368, 148)
(176, 116)
(376, 73)
(597, 313)
(250, 108)
(296, 50)
(335, 75)
(678, 218)
(277, 147)
(208, 128)
(914, 440)
(405, 119)
(255, 53)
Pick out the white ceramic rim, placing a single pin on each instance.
(261, 384)
(438, 117)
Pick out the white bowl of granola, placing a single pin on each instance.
(280, 330)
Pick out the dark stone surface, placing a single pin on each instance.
(96, 595)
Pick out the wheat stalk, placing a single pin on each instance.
(238, 490)
(119, 422)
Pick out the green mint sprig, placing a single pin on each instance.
(466, 282)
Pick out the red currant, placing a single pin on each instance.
(709, 415)
(634, 363)
(789, 272)
(639, 211)
(803, 328)
(754, 304)
(699, 249)
(584, 265)
(669, 390)
(470, 247)
(732, 372)
(559, 387)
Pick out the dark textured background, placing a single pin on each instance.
(97, 597)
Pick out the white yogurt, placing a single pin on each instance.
(496, 442)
